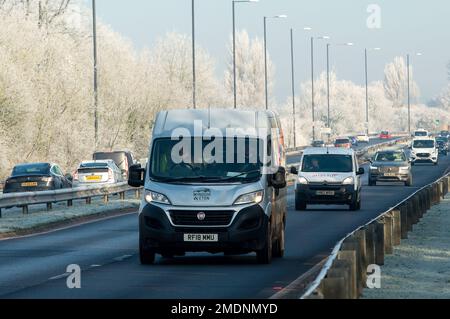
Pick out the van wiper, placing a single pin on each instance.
(187, 179)
(254, 172)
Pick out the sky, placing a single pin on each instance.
(404, 26)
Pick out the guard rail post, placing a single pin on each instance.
(379, 243)
(49, 206)
(69, 203)
(396, 228)
(88, 200)
(370, 244)
(429, 198)
(416, 209)
(409, 209)
(25, 209)
(350, 257)
(388, 248)
(441, 190)
(354, 245)
(337, 282)
(404, 221)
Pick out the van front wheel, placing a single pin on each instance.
(279, 248)
(146, 256)
(264, 255)
(356, 204)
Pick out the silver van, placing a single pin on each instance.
(215, 182)
(328, 176)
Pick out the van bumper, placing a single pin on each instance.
(246, 233)
(310, 194)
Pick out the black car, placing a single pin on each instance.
(123, 160)
(36, 177)
(443, 145)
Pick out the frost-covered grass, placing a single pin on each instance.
(420, 267)
(14, 221)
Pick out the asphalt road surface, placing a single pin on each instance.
(34, 267)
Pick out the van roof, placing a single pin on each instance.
(218, 119)
(328, 150)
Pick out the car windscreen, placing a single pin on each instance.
(232, 159)
(342, 141)
(421, 134)
(94, 165)
(390, 157)
(119, 158)
(385, 133)
(31, 169)
(424, 144)
(327, 164)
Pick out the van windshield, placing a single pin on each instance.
(424, 144)
(327, 164)
(421, 134)
(217, 160)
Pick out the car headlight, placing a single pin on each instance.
(153, 197)
(303, 181)
(348, 181)
(252, 198)
(406, 168)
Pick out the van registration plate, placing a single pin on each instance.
(201, 238)
(325, 193)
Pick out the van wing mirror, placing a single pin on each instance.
(136, 176)
(278, 180)
(294, 170)
(361, 171)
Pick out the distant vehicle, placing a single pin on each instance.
(318, 144)
(421, 133)
(343, 143)
(424, 151)
(353, 140)
(236, 206)
(385, 135)
(123, 160)
(363, 138)
(97, 173)
(36, 177)
(390, 166)
(329, 176)
(443, 145)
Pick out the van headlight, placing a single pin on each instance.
(303, 181)
(153, 197)
(348, 181)
(251, 198)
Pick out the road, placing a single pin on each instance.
(107, 252)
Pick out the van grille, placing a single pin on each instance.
(190, 218)
(423, 155)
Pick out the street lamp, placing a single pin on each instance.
(367, 86)
(282, 16)
(234, 47)
(194, 77)
(313, 103)
(409, 89)
(293, 83)
(349, 44)
(94, 37)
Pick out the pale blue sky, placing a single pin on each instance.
(407, 26)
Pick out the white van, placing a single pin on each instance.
(421, 133)
(198, 195)
(424, 150)
(328, 176)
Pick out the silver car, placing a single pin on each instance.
(390, 166)
(97, 173)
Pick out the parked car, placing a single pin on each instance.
(123, 160)
(424, 151)
(328, 176)
(385, 135)
(443, 145)
(235, 206)
(97, 173)
(343, 143)
(35, 177)
(390, 166)
(353, 140)
(318, 144)
(363, 138)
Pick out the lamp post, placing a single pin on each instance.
(328, 78)
(313, 103)
(265, 56)
(367, 85)
(194, 76)
(408, 62)
(234, 46)
(94, 37)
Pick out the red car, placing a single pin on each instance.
(385, 135)
(343, 143)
